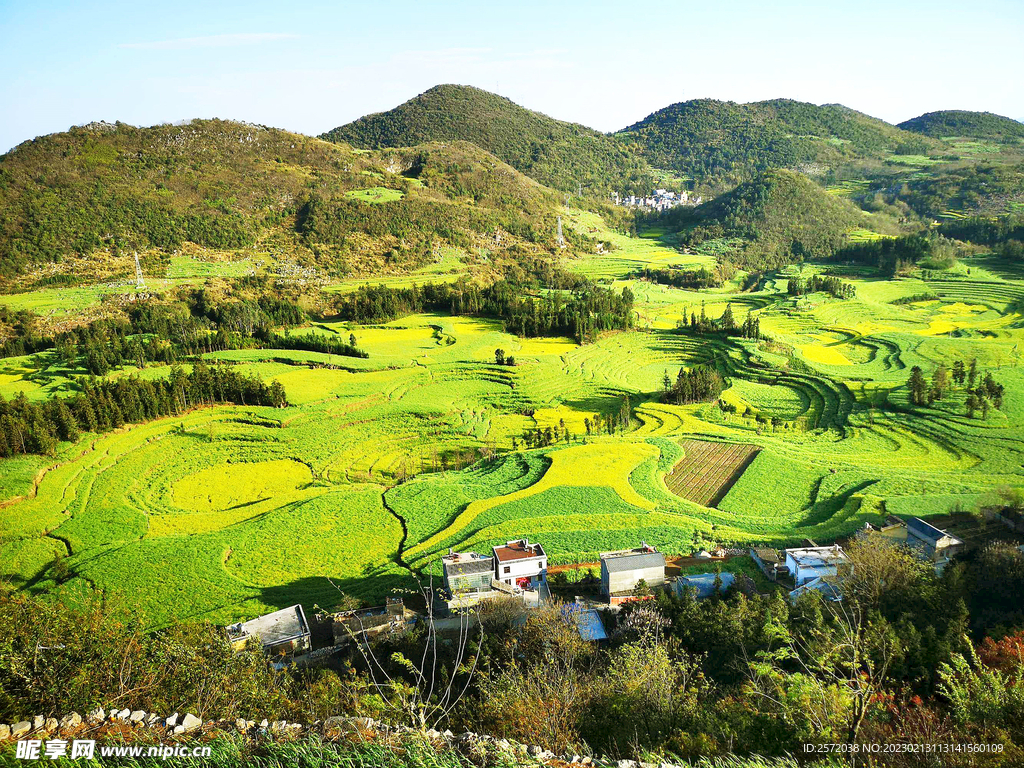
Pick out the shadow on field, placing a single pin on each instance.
(371, 589)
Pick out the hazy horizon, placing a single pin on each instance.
(605, 67)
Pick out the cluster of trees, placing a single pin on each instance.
(313, 342)
(829, 284)
(581, 311)
(699, 384)
(981, 395)
(27, 427)
(890, 255)
(500, 358)
(703, 325)
(693, 279)
(908, 658)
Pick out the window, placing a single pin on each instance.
(508, 569)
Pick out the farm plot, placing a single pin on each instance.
(708, 470)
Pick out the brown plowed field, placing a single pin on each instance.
(708, 470)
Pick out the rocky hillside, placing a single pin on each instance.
(105, 189)
(958, 122)
(782, 215)
(706, 138)
(563, 155)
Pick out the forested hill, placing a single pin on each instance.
(558, 154)
(225, 185)
(706, 137)
(958, 122)
(783, 216)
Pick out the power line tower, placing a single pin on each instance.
(140, 284)
(561, 240)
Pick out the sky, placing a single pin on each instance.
(312, 66)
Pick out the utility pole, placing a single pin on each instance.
(140, 284)
(561, 240)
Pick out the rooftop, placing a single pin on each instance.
(521, 549)
(922, 530)
(704, 583)
(273, 628)
(465, 563)
(814, 556)
(633, 559)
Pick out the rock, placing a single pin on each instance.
(503, 744)
(277, 726)
(178, 729)
(626, 764)
(576, 759)
(191, 722)
(137, 716)
(37, 722)
(467, 736)
(172, 721)
(534, 750)
(151, 719)
(20, 729)
(70, 722)
(96, 716)
(50, 725)
(264, 723)
(447, 735)
(242, 726)
(5, 731)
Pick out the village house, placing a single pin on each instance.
(366, 623)
(824, 586)
(468, 578)
(924, 539)
(771, 562)
(283, 634)
(809, 563)
(623, 570)
(521, 564)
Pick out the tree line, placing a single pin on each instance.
(27, 427)
(582, 311)
(829, 284)
(693, 279)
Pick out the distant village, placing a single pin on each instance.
(659, 200)
(518, 570)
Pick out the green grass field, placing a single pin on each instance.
(229, 512)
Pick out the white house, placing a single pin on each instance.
(809, 563)
(522, 564)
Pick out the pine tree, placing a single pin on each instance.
(918, 386)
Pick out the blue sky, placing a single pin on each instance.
(312, 66)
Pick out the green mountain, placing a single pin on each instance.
(100, 189)
(706, 138)
(958, 122)
(562, 155)
(782, 216)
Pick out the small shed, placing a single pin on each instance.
(704, 584)
(623, 570)
(284, 633)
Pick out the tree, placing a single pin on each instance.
(727, 321)
(940, 382)
(959, 373)
(918, 386)
(972, 374)
(499, 356)
(971, 405)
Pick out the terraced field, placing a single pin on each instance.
(708, 470)
(378, 465)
